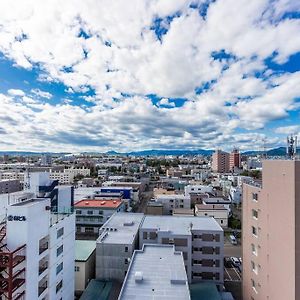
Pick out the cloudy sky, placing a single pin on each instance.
(98, 75)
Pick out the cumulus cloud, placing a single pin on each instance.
(214, 58)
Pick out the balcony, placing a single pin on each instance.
(43, 265)
(43, 245)
(43, 285)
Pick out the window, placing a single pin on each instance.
(59, 286)
(59, 268)
(78, 212)
(89, 229)
(90, 212)
(253, 249)
(254, 269)
(100, 212)
(145, 235)
(60, 232)
(255, 196)
(126, 261)
(59, 250)
(254, 231)
(126, 249)
(253, 285)
(254, 213)
(77, 269)
(221, 221)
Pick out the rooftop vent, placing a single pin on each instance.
(86, 203)
(129, 223)
(138, 276)
(114, 202)
(103, 202)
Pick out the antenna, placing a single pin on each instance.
(291, 147)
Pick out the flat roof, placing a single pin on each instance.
(156, 272)
(84, 249)
(183, 211)
(97, 289)
(107, 203)
(121, 228)
(211, 207)
(180, 224)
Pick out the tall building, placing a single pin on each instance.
(271, 233)
(37, 239)
(220, 162)
(234, 160)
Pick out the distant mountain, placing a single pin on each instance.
(29, 153)
(163, 152)
(280, 151)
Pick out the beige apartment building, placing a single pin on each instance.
(271, 233)
(220, 162)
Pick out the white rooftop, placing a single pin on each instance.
(156, 272)
(180, 224)
(121, 228)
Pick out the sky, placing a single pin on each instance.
(99, 75)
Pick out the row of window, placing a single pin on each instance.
(207, 237)
(207, 262)
(94, 219)
(206, 250)
(206, 275)
(89, 212)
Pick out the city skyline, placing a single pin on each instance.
(100, 76)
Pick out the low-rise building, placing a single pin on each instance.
(183, 212)
(91, 214)
(85, 258)
(10, 186)
(216, 211)
(200, 239)
(117, 241)
(170, 202)
(156, 272)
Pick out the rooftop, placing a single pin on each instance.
(183, 211)
(156, 272)
(180, 224)
(121, 228)
(210, 207)
(97, 289)
(84, 249)
(107, 203)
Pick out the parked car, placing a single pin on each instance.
(233, 240)
(227, 262)
(235, 261)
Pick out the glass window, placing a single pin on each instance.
(254, 231)
(90, 212)
(59, 268)
(59, 250)
(59, 286)
(78, 212)
(60, 232)
(254, 213)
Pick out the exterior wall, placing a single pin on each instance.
(220, 162)
(197, 189)
(190, 246)
(221, 216)
(170, 202)
(154, 210)
(113, 260)
(10, 186)
(91, 223)
(84, 272)
(276, 272)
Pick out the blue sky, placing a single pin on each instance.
(148, 75)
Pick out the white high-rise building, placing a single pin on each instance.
(37, 242)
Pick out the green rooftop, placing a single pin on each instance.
(97, 290)
(84, 249)
(207, 291)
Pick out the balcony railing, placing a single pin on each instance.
(42, 288)
(43, 248)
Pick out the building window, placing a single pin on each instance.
(77, 269)
(254, 231)
(89, 229)
(254, 214)
(253, 249)
(126, 249)
(90, 212)
(60, 232)
(100, 212)
(255, 196)
(253, 285)
(59, 250)
(145, 235)
(59, 268)
(254, 269)
(78, 212)
(126, 261)
(59, 286)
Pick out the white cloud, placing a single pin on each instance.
(41, 94)
(14, 92)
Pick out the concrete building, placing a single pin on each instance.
(117, 241)
(37, 252)
(200, 239)
(85, 259)
(183, 212)
(9, 186)
(271, 236)
(197, 188)
(156, 272)
(216, 211)
(220, 162)
(91, 214)
(67, 175)
(234, 160)
(46, 160)
(154, 208)
(170, 202)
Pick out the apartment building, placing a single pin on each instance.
(220, 162)
(12, 176)
(67, 175)
(156, 272)
(234, 160)
(171, 202)
(216, 211)
(9, 186)
(197, 189)
(200, 239)
(271, 237)
(115, 246)
(91, 214)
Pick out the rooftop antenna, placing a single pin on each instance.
(291, 147)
